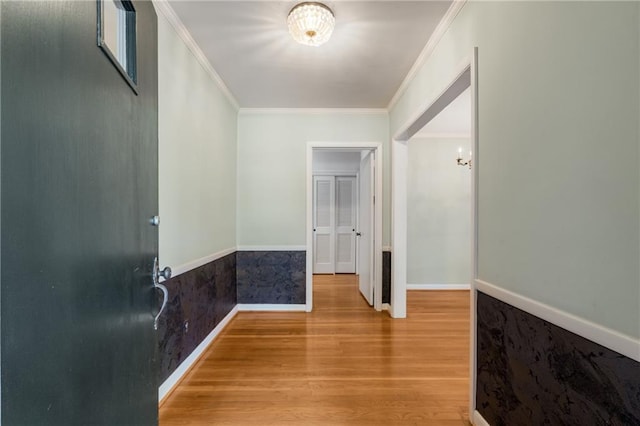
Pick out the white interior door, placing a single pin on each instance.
(323, 224)
(366, 223)
(346, 224)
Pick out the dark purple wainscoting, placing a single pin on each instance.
(531, 372)
(198, 300)
(277, 277)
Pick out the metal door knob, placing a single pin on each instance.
(165, 273)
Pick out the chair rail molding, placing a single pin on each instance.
(616, 341)
(186, 267)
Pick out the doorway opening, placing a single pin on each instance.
(439, 200)
(465, 78)
(344, 215)
(336, 211)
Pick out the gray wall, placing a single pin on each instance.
(559, 184)
(272, 169)
(197, 151)
(197, 198)
(438, 212)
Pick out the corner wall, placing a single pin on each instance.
(559, 191)
(272, 161)
(197, 197)
(272, 168)
(197, 144)
(558, 202)
(438, 213)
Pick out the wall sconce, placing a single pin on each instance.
(460, 161)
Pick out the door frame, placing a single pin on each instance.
(463, 77)
(377, 247)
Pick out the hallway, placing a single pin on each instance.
(342, 364)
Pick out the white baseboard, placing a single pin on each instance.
(272, 248)
(478, 420)
(616, 341)
(186, 267)
(270, 307)
(386, 306)
(175, 377)
(438, 286)
(393, 314)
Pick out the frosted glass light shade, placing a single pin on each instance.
(311, 23)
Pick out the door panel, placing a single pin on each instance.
(345, 224)
(323, 224)
(79, 182)
(344, 253)
(323, 249)
(366, 224)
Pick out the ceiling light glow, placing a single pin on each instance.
(311, 23)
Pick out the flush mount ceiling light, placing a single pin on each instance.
(311, 23)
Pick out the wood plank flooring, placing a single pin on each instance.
(342, 364)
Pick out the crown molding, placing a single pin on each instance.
(167, 11)
(163, 7)
(440, 30)
(313, 111)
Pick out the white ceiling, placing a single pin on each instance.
(372, 49)
(454, 120)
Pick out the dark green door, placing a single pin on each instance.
(78, 186)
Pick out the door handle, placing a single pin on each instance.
(358, 234)
(166, 274)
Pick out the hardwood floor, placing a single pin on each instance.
(342, 364)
